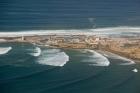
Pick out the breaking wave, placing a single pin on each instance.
(129, 62)
(97, 59)
(53, 58)
(4, 50)
(37, 52)
(135, 70)
(126, 60)
(106, 30)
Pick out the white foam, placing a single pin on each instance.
(4, 50)
(135, 70)
(53, 59)
(120, 29)
(97, 59)
(115, 56)
(107, 30)
(37, 52)
(129, 61)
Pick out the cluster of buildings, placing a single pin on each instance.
(120, 45)
(70, 41)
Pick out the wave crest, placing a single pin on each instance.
(54, 58)
(115, 56)
(37, 52)
(98, 31)
(97, 59)
(4, 50)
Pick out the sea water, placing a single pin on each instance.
(64, 71)
(27, 68)
(67, 14)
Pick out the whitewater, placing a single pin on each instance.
(53, 57)
(115, 56)
(4, 50)
(96, 59)
(96, 31)
(37, 52)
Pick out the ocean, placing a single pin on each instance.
(23, 70)
(27, 68)
(67, 14)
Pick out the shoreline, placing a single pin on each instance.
(105, 53)
(123, 55)
(78, 40)
(112, 54)
(35, 33)
(96, 31)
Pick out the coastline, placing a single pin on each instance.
(96, 31)
(109, 54)
(77, 40)
(105, 53)
(122, 55)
